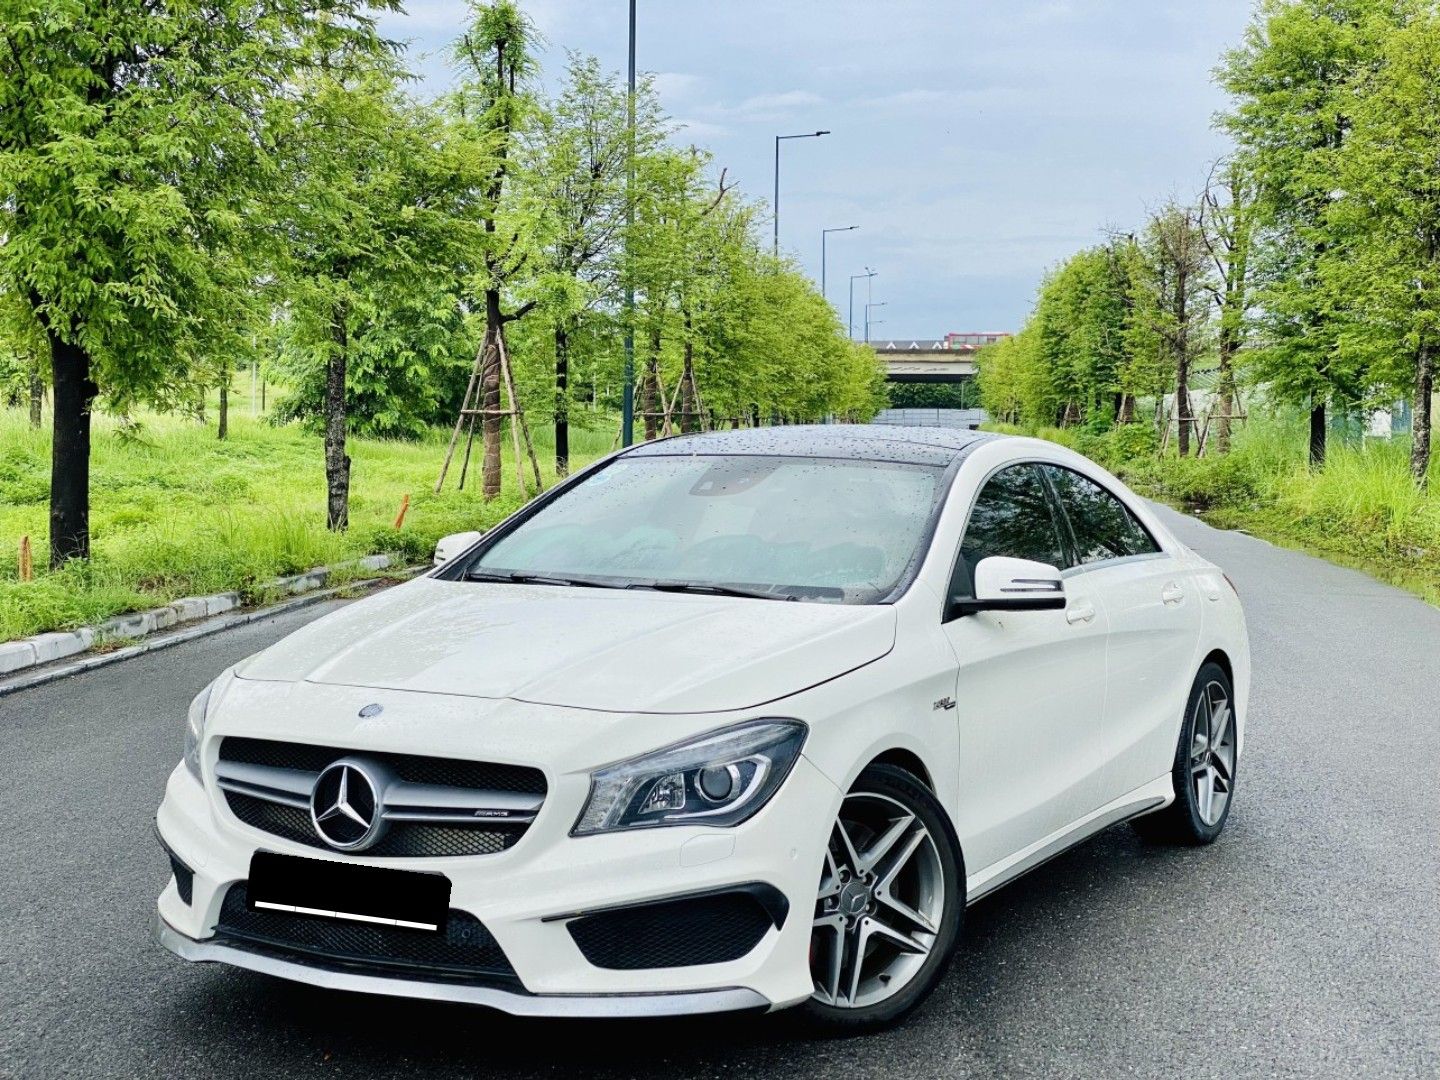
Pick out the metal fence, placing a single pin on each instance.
(968, 419)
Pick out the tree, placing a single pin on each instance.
(133, 163)
(376, 229)
(1227, 223)
(1387, 222)
(1291, 117)
(1080, 322)
(1171, 315)
(496, 103)
(576, 158)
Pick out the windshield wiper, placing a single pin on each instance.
(513, 578)
(709, 589)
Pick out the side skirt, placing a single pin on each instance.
(1152, 796)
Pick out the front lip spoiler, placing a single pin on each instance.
(516, 1003)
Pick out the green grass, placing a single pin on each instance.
(176, 512)
(1361, 509)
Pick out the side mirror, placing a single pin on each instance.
(450, 546)
(1003, 584)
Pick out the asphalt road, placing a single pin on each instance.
(1305, 943)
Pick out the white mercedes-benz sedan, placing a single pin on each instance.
(739, 720)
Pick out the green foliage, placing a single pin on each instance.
(1386, 255)
(378, 228)
(922, 395)
(1291, 83)
(134, 172)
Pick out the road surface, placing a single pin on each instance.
(1305, 943)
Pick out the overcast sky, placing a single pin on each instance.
(975, 142)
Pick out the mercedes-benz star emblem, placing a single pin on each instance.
(345, 807)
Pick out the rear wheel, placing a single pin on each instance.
(889, 904)
(1205, 766)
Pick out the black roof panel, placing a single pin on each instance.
(860, 442)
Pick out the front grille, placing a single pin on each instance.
(481, 835)
(402, 840)
(706, 929)
(444, 772)
(465, 950)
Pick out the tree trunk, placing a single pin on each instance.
(1182, 395)
(1317, 434)
(1224, 395)
(74, 391)
(562, 399)
(650, 386)
(224, 429)
(1127, 409)
(689, 399)
(490, 429)
(1420, 418)
(37, 393)
(337, 464)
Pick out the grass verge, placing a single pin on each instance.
(177, 512)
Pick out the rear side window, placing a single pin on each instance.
(1014, 516)
(1103, 526)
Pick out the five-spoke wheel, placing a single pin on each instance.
(1206, 760)
(887, 911)
(1212, 752)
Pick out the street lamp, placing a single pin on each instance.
(627, 406)
(775, 206)
(854, 278)
(869, 322)
(823, 234)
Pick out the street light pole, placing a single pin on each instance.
(868, 323)
(627, 408)
(775, 205)
(823, 234)
(854, 278)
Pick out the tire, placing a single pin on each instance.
(1202, 763)
(902, 879)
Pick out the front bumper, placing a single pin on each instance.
(524, 897)
(573, 1006)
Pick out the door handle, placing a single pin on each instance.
(1172, 593)
(1084, 611)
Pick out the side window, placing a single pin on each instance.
(1104, 528)
(1013, 516)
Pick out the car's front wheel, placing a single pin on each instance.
(889, 905)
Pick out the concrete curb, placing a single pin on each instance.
(47, 648)
(215, 625)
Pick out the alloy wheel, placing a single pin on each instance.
(1212, 753)
(880, 903)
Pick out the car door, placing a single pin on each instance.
(1154, 612)
(1030, 685)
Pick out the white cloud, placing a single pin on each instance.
(767, 108)
(677, 86)
(699, 131)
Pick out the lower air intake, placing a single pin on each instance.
(465, 950)
(708, 928)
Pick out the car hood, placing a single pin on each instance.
(601, 649)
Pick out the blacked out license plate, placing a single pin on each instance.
(336, 890)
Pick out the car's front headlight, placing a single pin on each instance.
(717, 779)
(195, 729)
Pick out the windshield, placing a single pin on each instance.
(784, 527)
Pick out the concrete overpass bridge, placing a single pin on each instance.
(952, 359)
